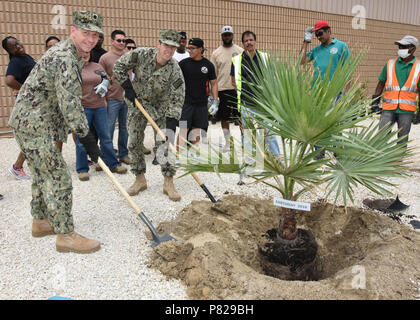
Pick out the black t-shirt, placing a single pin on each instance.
(196, 74)
(247, 73)
(20, 67)
(96, 54)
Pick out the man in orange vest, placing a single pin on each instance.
(400, 79)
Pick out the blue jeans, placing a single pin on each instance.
(271, 140)
(119, 109)
(99, 118)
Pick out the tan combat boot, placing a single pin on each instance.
(169, 189)
(41, 228)
(139, 185)
(74, 242)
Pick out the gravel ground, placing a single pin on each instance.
(31, 268)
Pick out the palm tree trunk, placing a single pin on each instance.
(287, 229)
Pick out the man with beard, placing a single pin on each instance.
(48, 105)
(160, 88)
(222, 61)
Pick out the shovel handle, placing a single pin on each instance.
(154, 125)
(130, 200)
(118, 186)
(157, 129)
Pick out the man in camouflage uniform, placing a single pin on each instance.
(47, 107)
(160, 88)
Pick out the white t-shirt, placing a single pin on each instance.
(180, 56)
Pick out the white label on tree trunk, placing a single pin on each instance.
(303, 206)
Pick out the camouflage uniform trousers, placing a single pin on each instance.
(136, 126)
(51, 181)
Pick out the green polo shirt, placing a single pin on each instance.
(321, 56)
(402, 71)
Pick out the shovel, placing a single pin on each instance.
(386, 205)
(157, 129)
(156, 238)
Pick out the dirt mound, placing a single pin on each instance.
(361, 254)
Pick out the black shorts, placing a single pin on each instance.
(228, 107)
(196, 115)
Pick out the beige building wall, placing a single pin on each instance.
(277, 28)
(403, 11)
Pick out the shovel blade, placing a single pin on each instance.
(164, 238)
(397, 205)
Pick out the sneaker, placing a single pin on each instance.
(119, 169)
(83, 176)
(19, 173)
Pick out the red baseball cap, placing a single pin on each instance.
(321, 24)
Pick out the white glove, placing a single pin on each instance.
(214, 106)
(102, 88)
(210, 100)
(309, 31)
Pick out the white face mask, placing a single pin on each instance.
(403, 53)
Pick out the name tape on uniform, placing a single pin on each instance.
(279, 202)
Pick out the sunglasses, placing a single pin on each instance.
(191, 48)
(319, 33)
(120, 40)
(131, 48)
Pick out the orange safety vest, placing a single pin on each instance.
(405, 97)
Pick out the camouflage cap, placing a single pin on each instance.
(88, 20)
(170, 37)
